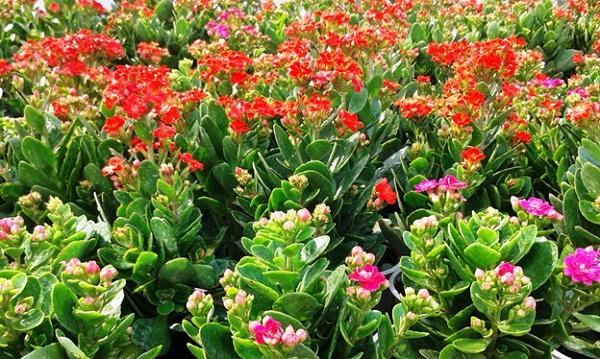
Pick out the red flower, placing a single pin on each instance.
(115, 164)
(472, 155)
(164, 131)
(350, 120)
(368, 277)
(134, 106)
(239, 126)
(113, 125)
(53, 7)
(171, 115)
(194, 164)
(522, 136)
(461, 119)
(385, 192)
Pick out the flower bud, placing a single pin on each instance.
(529, 303)
(92, 268)
(423, 293)
(289, 226)
(363, 293)
(479, 274)
(303, 215)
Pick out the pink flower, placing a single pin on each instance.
(450, 182)
(536, 207)
(368, 277)
(426, 186)
(269, 332)
(504, 268)
(583, 266)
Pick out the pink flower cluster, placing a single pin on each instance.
(270, 332)
(506, 275)
(447, 183)
(536, 207)
(583, 265)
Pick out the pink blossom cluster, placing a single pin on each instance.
(536, 207)
(89, 272)
(583, 265)
(444, 193)
(10, 226)
(270, 332)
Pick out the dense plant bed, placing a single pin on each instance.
(249, 179)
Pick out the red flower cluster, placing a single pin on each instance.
(385, 192)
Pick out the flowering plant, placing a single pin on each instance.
(305, 179)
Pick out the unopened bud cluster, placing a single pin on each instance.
(89, 272)
(270, 333)
(358, 258)
(506, 280)
(425, 227)
(230, 279)
(285, 225)
(32, 204)
(200, 305)
(419, 304)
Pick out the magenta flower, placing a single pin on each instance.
(583, 266)
(450, 182)
(368, 277)
(426, 186)
(269, 332)
(536, 207)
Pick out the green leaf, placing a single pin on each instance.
(163, 11)
(28, 320)
(417, 33)
(53, 351)
(301, 306)
(217, 342)
(302, 351)
(39, 155)
(35, 119)
(319, 149)
(148, 175)
(374, 85)
(590, 175)
(77, 249)
(31, 176)
(591, 321)
(178, 270)
(148, 333)
(73, 350)
(540, 262)
(286, 147)
(357, 101)
(246, 348)
(65, 301)
(470, 346)
(589, 211)
(144, 266)
(314, 248)
(481, 256)
(165, 234)
(564, 60)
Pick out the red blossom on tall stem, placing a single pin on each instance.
(385, 192)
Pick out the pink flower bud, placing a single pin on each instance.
(3, 235)
(289, 226)
(19, 309)
(107, 273)
(521, 313)
(357, 261)
(507, 278)
(411, 316)
(88, 300)
(303, 215)
(14, 229)
(278, 216)
(357, 251)
(228, 303)
(529, 303)
(369, 258)
(92, 268)
(190, 305)
(423, 293)
(240, 298)
(479, 274)
(514, 289)
(351, 291)
(363, 293)
(485, 286)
